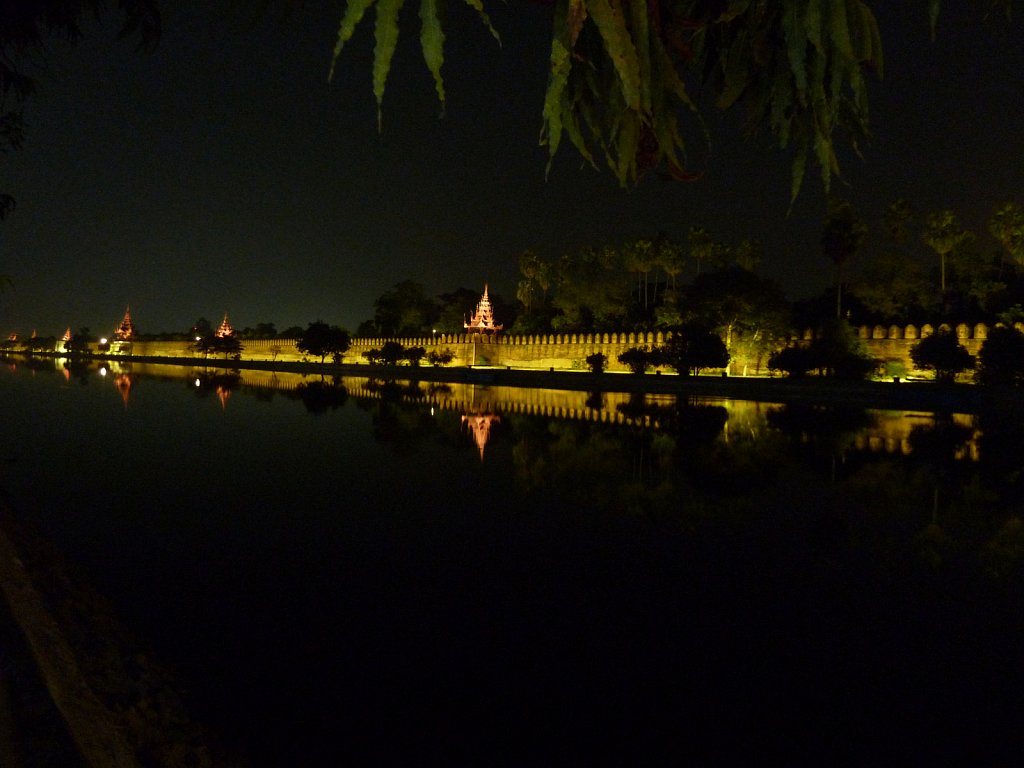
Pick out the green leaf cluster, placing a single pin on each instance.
(616, 86)
(386, 32)
(799, 68)
(620, 69)
(622, 74)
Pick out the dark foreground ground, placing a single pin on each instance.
(789, 650)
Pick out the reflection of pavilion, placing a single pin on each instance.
(479, 426)
(224, 394)
(123, 383)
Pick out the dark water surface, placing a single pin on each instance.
(345, 575)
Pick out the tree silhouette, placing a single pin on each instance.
(1001, 358)
(1007, 226)
(692, 348)
(440, 357)
(217, 345)
(320, 340)
(741, 306)
(79, 342)
(637, 359)
(943, 353)
(404, 310)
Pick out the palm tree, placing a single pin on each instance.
(671, 259)
(702, 245)
(639, 256)
(841, 238)
(943, 233)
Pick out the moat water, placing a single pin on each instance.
(355, 571)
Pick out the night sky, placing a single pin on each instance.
(224, 173)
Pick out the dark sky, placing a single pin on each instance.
(224, 173)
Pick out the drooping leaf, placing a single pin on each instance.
(737, 69)
(478, 6)
(813, 24)
(641, 36)
(628, 140)
(432, 43)
(551, 134)
(838, 30)
(354, 12)
(574, 18)
(934, 6)
(796, 45)
(871, 40)
(671, 82)
(386, 34)
(620, 48)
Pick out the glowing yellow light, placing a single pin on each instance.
(103, 371)
(198, 382)
(103, 340)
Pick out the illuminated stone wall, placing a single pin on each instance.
(252, 349)
(890, 344)
(540, 351)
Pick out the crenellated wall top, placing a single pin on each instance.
(909, 332)
(630, 339)
(964, 332)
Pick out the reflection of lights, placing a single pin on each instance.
(123, 382)
(198, 383)
(103, 370)
(224, 393)
(431, 410)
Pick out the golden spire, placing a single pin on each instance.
(225, 328)
(483, 318)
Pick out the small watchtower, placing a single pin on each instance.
(483, 318)
(126, 330)
(225, 330)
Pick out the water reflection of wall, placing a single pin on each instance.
(893, 432)
(889, 431)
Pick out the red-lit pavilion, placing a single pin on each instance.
(126, 330)
(483, 319)
(225, 329)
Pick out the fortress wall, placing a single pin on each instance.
(252, 349)
(541, 351)
(890, 344)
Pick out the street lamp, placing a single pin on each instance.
(433, 335)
